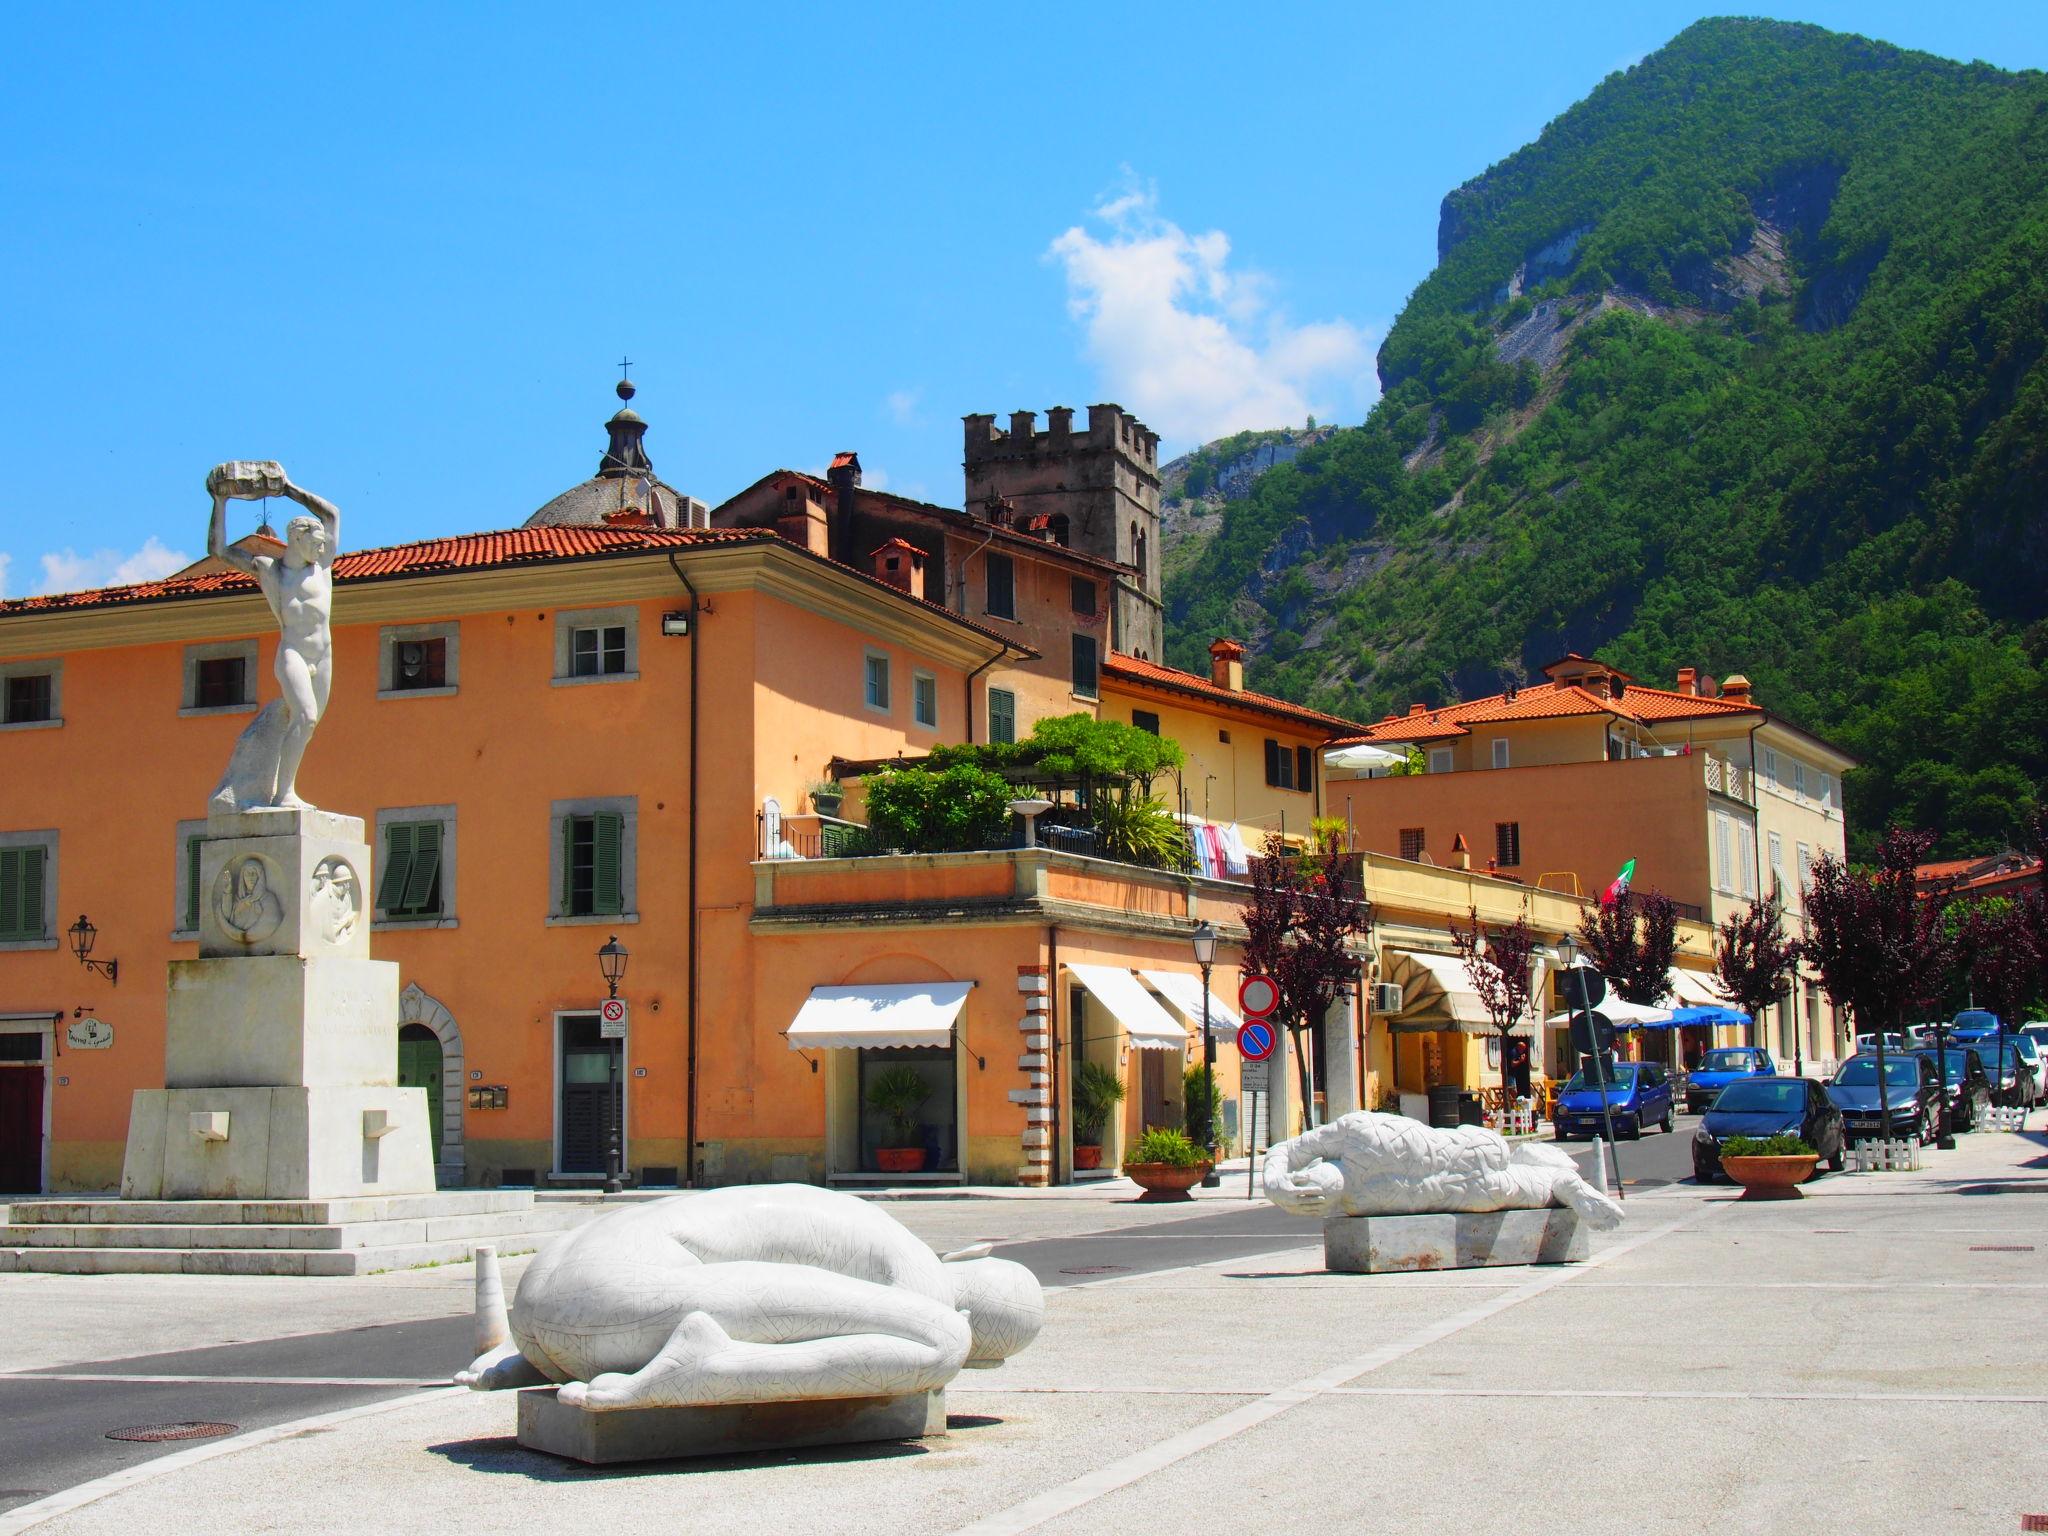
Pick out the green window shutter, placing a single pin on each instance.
(10, 893)
(191, 922)
(609, 896)
(568, 905)
(422, 886)
(397, 866)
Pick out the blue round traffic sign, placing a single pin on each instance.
(1255, 1039)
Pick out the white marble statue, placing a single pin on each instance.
(759, 1293)
(1366, 1164)
(299, 587)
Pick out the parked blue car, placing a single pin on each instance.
(1972, 1025)
(1638, 1095)
(1722, 1066)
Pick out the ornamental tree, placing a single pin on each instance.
(2002, 938)
(1753, 958)
(1631, 941)
(1502, 966)
(1300, 924)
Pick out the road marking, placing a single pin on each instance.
(1089, 1487)
(23, 1517)
(1937, 1398)
(229, 1381)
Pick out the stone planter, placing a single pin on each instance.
(1166, 1181)
(1770, 1178)
(826, 805)
(1087, 1157)
(900, 1159)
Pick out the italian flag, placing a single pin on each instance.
(1619, 888)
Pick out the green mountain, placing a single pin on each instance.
(1739, 365)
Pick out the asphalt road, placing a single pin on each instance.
(54, 1425)
(1655, 1159)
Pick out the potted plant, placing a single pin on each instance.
(897, 1094)
(1097, 1092)
(1771, 1168)
(826, 796)
(1165, 1164)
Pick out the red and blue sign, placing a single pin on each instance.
(1256, 1040)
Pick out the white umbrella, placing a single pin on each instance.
(1622, 1013)
(1361, 757)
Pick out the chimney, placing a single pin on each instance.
(1226, 665)
(1417, 709)
(901, 564)
(1735, 689)
(1689, 680)
(804, 525)
(1461, 853)
(844, 479)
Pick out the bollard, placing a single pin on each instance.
(493, 1325)
(1600, 1167)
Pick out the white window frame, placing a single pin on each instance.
(624, 806)
(1804, 853)
(1724, 854)
(1745, 857)
(186, 831)
(1827, 791)
(569, 620)
(1439, 759)
(921, 679)
(47, 841)
(391, 636)
(1775, 846)
(869, 656)
(53, 667)
(215, 650)
(1500, 752)
(445, 816)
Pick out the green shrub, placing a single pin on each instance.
(1784, 1144)
(955, 809)
(1136, 829)
(1201, 1105)
(1163, 1145)
(1097, 1092)
(897, 1094)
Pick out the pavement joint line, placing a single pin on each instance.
(1655, 1394)
(26, 1516)
(1186, 1269)
(227, 1381)
(1068, 1497)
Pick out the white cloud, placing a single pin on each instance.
(901, 404)
(1196, 349)
(65, 570)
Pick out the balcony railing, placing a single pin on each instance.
(1727, 778)
(826, 837)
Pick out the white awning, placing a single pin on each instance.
(1184, 992)
(1150, 1027)
(1437, 994)
(913, 1013)
(1694, 989)
(1619, 1010)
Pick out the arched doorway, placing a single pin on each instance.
(430, 1056)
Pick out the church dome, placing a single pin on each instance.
(625, 491)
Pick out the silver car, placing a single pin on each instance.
(2028, 1046)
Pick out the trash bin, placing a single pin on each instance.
(1443, 1106)
(1470, 1111)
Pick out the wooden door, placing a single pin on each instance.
(419, 1066)
(21, 1128)
(1152, 1078)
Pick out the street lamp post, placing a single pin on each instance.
(611, 964)
(1568, 952)
(1947, 1139)
(1205, 956)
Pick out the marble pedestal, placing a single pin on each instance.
(733, 1429)
(281, 1039)
(1373, 1245)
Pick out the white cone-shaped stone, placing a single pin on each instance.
(1599, 1180)
(493, 1325)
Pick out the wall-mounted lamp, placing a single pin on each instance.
(82, 934)
(675, 623)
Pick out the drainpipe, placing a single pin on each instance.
(690, 943)
(999, 655)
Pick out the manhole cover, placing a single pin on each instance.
(1097, 1269)
(2001, 1247)
(187, 1431)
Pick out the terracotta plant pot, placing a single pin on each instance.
(1167, 1181)
(900, 1159)
(1770, 1178)
(1087, 1157)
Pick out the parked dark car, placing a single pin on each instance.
(1721, 1066)
(1911, 1089)
(1969, 1089)
(1765, 1106)
(1638, 1095)
(2011, 1072)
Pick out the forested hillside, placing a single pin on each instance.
(1738, 366)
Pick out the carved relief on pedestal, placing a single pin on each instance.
(337, 899)
(249, 909)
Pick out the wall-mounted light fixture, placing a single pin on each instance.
(82, 934)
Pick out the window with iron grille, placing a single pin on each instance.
(1507, 844)
(1411, 843)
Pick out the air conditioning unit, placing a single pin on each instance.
(1386, 997)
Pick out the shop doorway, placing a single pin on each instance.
(419, 1066)
(1152, 1104)
(586, 1096)
(24, 1107)
(937, 1120)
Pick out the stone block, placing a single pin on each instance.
(284, 883)
(735, 1429)
(279, 1020)
(1374, 1245)
(284, 1143)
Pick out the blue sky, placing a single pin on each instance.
(402, 248)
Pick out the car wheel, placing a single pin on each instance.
(1633, 1133)
(1840, 1160)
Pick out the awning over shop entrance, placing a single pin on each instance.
(1693, 989)
(1436, 994)
(878, 1014)
(1150, 1027)
(1184, 992)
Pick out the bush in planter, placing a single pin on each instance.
(1202, 1107)
(1097, 1092)
(1133, 828)
(897, 1094)
(962, 807)
(1163, 1145)
(1784, 1144)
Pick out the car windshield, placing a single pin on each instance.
(1731, 1060)
(1861, 1072)
(1953, 1068)
(1763, 1094)
(1619, 1080)
(1976, 1018)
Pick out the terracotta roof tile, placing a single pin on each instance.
(1133, 669)
(1549, 701)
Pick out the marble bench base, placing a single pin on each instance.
(736, 1429)
(1373, 1245)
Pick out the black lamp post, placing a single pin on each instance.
(1205, 956)
(1568, 953)
(82, 933)
(1947, 1139)
(611, 961)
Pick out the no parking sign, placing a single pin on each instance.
(611, 1019)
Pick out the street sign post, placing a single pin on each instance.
(1256, 1040)
(611, 1019)
(1598, 1034)
(1257, 996)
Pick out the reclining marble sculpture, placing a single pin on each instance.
(1367, 1164)
(755, 1294)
